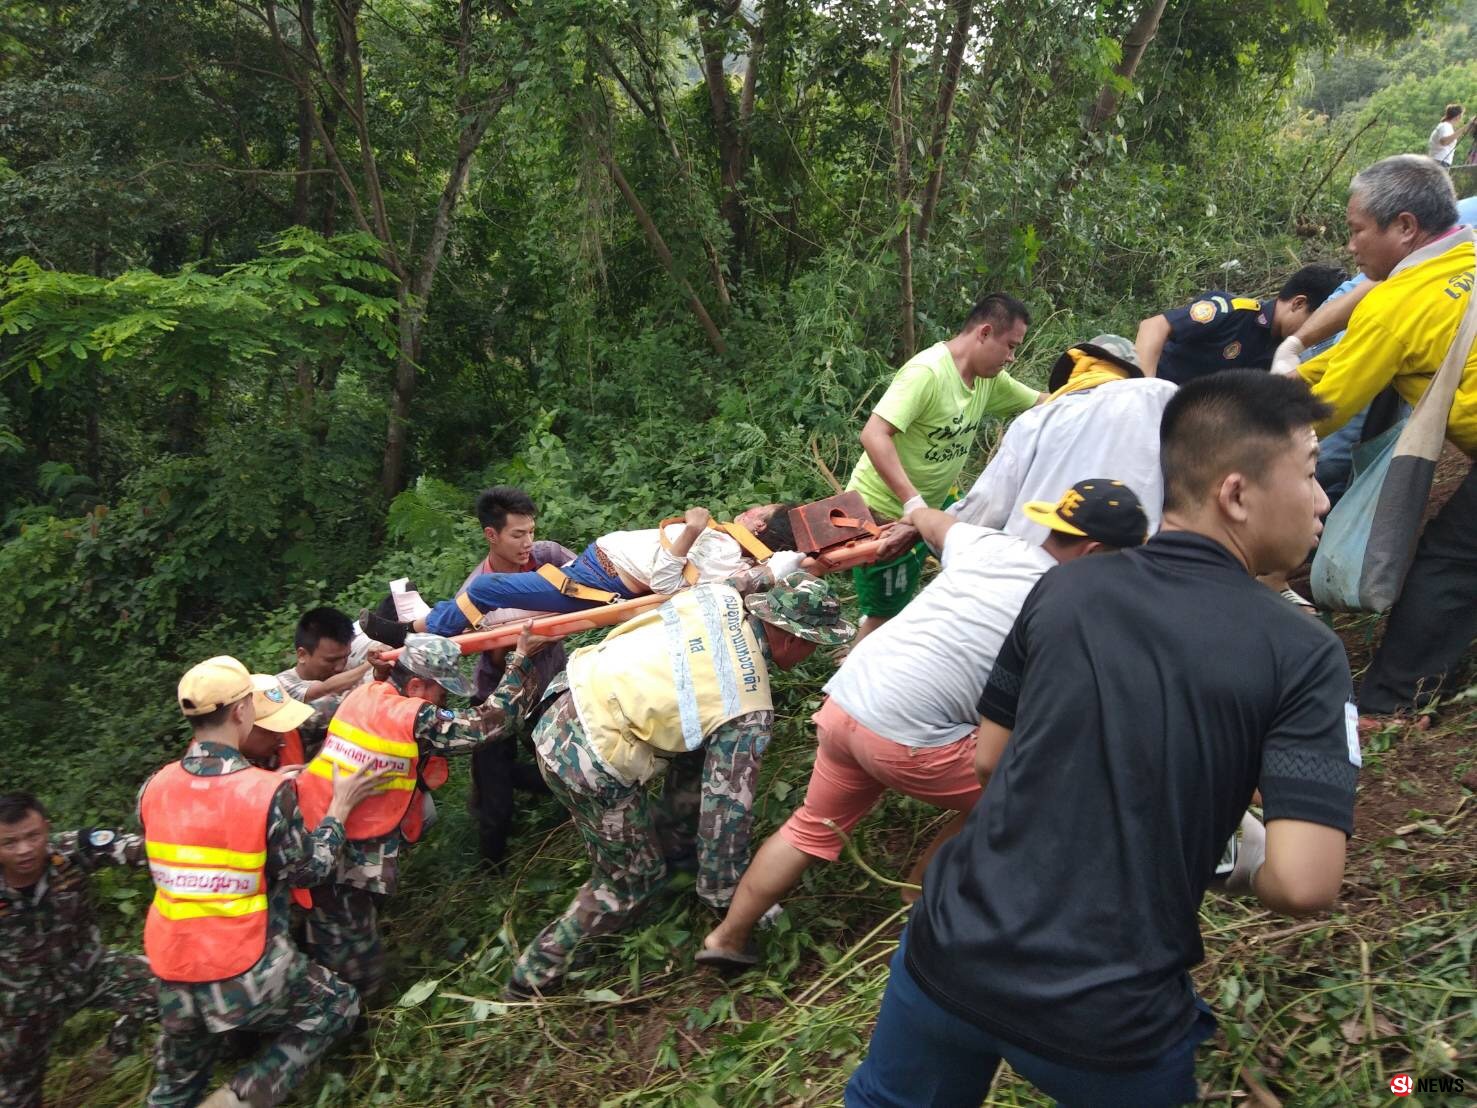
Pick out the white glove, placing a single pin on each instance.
(1249, 859)
(913, 505)
(782, 563)
(1289, 354)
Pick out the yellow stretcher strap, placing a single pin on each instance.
(473, 613)
(737, 531)
(568, 586)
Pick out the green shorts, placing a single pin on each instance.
(883, 589)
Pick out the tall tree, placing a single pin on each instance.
(943, 113)
(898, 117)
(1135, 42)
(413, 240)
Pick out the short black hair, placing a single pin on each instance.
(496, 504)
(1315, 282)
(15, 807)
(317, 624)
(998, 308)
(213, 718)
(777, 533)
(1452, 111)
(1237, 420)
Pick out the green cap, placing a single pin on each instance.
(804, 606)
(436, 659)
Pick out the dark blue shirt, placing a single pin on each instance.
(1217, 331)
(1148, 694)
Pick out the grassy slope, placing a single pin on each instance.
(1313, 1013)
(1318, 1012)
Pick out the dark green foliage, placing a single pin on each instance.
(197, 368)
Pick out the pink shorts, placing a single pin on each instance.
(854, 766)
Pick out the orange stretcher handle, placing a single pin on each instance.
(555, 623)
(857, 552)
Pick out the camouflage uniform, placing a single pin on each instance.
(496, 769)
(343, 925)
(53, 963)
(316, 728)
(304, 1005)
(708, 794)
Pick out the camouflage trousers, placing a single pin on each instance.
(305, 1005)
(118, 982)
(706, 807)
(342, 933)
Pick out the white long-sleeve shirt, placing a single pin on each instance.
(1109, 431)
(641, 557)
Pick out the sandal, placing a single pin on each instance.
(729, 959)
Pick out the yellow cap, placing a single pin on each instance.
(275, 709)
(213, 684)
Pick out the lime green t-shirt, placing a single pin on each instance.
(936, 417)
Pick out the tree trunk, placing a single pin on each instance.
(402, 391)
(895, 110)
(1134, 44)
(664, 255)
(942, 114)
(303, 183)
(714, 41)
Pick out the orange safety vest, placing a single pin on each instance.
(292, 752)
(206, 839)
(373, 727)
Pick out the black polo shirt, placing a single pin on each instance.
(1149, 693)
(1217, 331)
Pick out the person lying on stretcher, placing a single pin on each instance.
(619, 566)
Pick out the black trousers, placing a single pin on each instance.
(496, 772)
(1434, 621)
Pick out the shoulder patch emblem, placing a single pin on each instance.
(445, 713)
(1202, 311)
(101, 838)
(1231, 350)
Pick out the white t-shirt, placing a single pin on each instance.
(1109, 431)
(1442, 133)
(917, 679)
(641, 556)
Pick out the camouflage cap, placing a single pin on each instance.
(436, 659)
(1114, 349)
(805, 606)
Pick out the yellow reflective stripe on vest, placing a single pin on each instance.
(173, 909)
(359, 737)
(1245, 304)
(205, 856)
(322, 766)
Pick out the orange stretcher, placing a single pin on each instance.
(859, 552)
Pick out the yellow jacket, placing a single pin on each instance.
(1399, 335)
(661, 683)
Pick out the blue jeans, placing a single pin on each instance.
(525, 590)
(1336, 452)
(922, 1054)
(1336, 457)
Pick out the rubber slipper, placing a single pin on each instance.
(729, 959)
